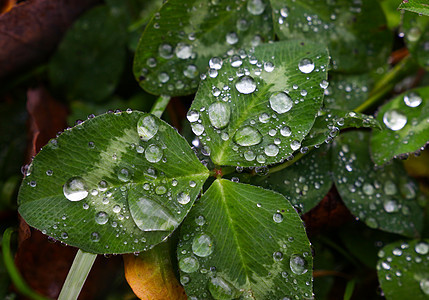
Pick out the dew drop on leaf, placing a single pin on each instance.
(151, 216)
(249, 155)
(278, 217)
(247, 136)
(191, 71)
(101, 218)
(219, 114)
(124, 175)
(147, 127)
(280, 102)
(193, 116)
(165, 51)
(183, 51)
(297, 264)
(245, 85)
(197, 128)
(153, 153)
(95, 237)
(295, 145)
(271, 150)
(285, 131)
(189, 264)
(231, 38)
(391, 206)
(424, 286)
(306, 65)
(412, 99)
(75, 189)
(222, 289)
(255, 7)
(278, 256)
(422, 248)
(202, 245)
(215, 63)
(394, 120)
(183, 198)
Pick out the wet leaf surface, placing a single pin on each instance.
(182, 37)
(123, 190)
(417, 6)
(224, 252)
(259, 112)
(403, 270)
(405, 121)
(383, 198)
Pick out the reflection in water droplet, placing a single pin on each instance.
(298, 265)
(101, 218)
(153, 153)
(280, 102)
(285, 131)
(189, 264)
(202, 245)
(278, 217)
(183, 198)
(394, 120)
(75, 189)
(147, 127)
(149, 215)
(413, 99)
(215, 63)
(193, 116)
(295, 145)
(222, 289)
(197, 128)
(271, 150)
(245, 85)
(306, 65)
(219, 114)
(247, 136)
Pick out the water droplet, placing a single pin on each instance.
(422, 248)
(200, 220)
(285, 131)
(264, 118)
(247, 136)
(385, 265)
(165, 51)
(298, 265)
(116, 209)
(124, 175)
(424, 285)
(245, 84)
(183, 51)
(101, 217)
(249, 155)
(268, 66)
(95, 237)
(278, 256)
(215, 63)
(193, 116)
(64, 235)
(390, 188)
(147, 127)
(222, 289)
(371, 222)
(153, 153)
(413, 99)
(75, 189)
(255, 7)
(202, 245)
(394, 120)
(368, 189)
(231, 38)
(160, 190)
(183, 198)
(295, 145)
(197, 128)
(278, 217)
(236, 61)
(189, 264)
(271, 150)
(219, 114)
(391, 206)
(306, 65)
(163, 77)
(280, 102)
(191, 71)
(49, 172)
(324, 84)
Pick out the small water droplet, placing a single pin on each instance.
(422, 248)
(245, 85)
(278, 217)
(165, 51)
(193, 116)
(236, 61)
(200, 220)
(202, 245)
(219, 114)
(255, 7)
(306, 65)
(394, 120)
(280, 102)
(147, 127)
(101, 217)
(197, 128)
(324, 84)
(295, 145)
(368, 189)
(124, 175)
(413, 99)
(153, 154)
(75, 189)
(249, 155)
(371, 222)
(391, 206)
(183, 198)
(189, 264)
(298, 265)
(271, 150)
(220, 288)
(247, 136)
(268, 66)
(278, 256)
(95, 237)
(183, 51)
(191, 71)
(215, 63)
(285, 131)
(231, 38)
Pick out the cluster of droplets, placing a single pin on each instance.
(406, 258)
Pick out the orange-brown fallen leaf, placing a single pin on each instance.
(151, 275)
(6, 5)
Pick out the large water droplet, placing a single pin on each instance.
(149, 215)
(245, 85)
(391, 206)
(193, 116)
(215, 63)
(202, 245)
(394, 120)
(298, 265)
(255, 7)
(153, 154)
(306, 65)
(422, 248)
(75, 189)
(147, 127)
(222, 289)
(101, 217)
(295, 145)
(413, 99)
(189, 264)
(183, 198)
(271, 150)
(247, 136)
(280, 102)
(183, 51)
(219, 114)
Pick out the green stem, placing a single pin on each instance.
(14, 274)
(373, 100)
(160, 105)
(328, 242)
(288, 163)
(77, 275)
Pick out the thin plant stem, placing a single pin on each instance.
(77, 275)
(13, 272)
(160, 105)
(289, 162)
